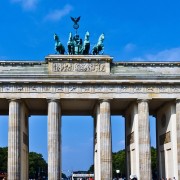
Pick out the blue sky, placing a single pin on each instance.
(134, 31)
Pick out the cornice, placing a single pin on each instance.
(78, 58)
(146, 64)
(81, 58)
(21, 63)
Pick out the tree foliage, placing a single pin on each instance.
(3, 159)
(37, 165)
(91, 169)
(154, 162)
(118, 163)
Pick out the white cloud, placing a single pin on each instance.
(172, 54)
(58, 14)
(27, 4)
(130, 47)
(166, 55)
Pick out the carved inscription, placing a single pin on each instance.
(62, 67)
(78, 67)
(165, 138)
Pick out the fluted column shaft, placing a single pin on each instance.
(178, 134)
(144, 140)
(54, 140)
(14, 141)
(105, 141)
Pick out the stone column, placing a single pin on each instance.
(127, 143)
(14, 141)
(105, 141)
(97, 162)
(144, 140)
(178, 134)
(24, 141)
(54, 140)
(167, 125)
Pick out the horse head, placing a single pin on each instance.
(70, 37)
(87, 36)
(56, 38)
(99, 46)
(101, 38)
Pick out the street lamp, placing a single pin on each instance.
(117, 171)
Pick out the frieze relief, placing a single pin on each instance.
(78, 67)
(69, 88)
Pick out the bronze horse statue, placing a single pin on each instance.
(99, 46)
(86, 45)
(70, 44)
(58, 45)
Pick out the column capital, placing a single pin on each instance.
(104, 100)
(178, 100)
(14, 99)
(139, 100)
(53, 100)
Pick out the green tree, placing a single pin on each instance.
(37, 165)
(91, 169)
(63, 176)
(154, 162)
(119, 163)
(3, 158)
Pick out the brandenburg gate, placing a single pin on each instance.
(94, 85)
(84, 84)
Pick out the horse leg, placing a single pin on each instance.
(57, 50)
(72, 50)
(95, 51)
(100, 48)
(69, 49)
(62, 49)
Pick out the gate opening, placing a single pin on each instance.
(77, 143)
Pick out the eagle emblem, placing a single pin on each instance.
(76, 20)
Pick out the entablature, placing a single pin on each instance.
(88, 69)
